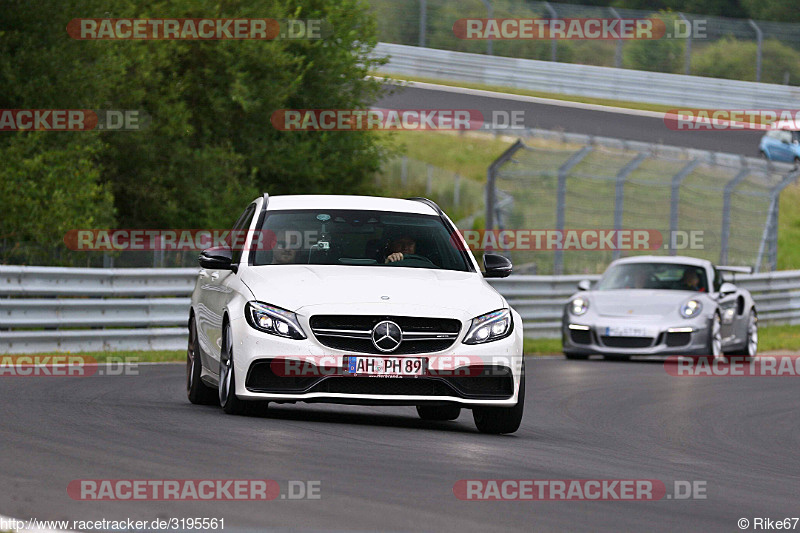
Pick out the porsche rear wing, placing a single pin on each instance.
(735, 269)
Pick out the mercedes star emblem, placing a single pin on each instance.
(387, 336)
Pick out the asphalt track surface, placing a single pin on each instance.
(576, 120)
(384, 469)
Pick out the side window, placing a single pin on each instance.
(717, 280)
(238, 236)
(786, 136)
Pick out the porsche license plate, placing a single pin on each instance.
(627, 331)
(385, 366)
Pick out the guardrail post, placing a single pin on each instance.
(563, 171)
(687, 61)
(675, 199)
(760, 41)
(726, 213)
(553, 42)
(619, 194)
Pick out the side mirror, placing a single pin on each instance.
(584, 285)
(727, 288)
(496, 266)
(217, 258)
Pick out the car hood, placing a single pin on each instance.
(294, 287)
(639, 303)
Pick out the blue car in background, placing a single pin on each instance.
(781, 143)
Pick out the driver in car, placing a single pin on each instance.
(400, 246)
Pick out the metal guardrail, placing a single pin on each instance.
(45, 309)
(586, 80)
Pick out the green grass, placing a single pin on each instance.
(538, 94)
(464, 154)
(770, 339)
(159, 356)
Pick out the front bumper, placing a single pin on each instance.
(499, 364)
(594, 337)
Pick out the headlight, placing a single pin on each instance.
(489, 327)
(274, 320)
(691, 309)
(578, 306)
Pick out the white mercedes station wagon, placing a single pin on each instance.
(355, 300)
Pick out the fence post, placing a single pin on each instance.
(687, 62)
(577, 157)
(429, 181)
(553, 42)
(675, 199)
(618, 51)
(726, 213)
(423, 21)
(457, 191)
(759, 40)
(770, 236)
(404, 171)
(489, 14)
(619, 194)
(491, 175)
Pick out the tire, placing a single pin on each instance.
(498, 420)
(227, 378)
(714, 341)
(763, 155)
(750, 348)
(198, 392)
(576, 356)
(438, 412)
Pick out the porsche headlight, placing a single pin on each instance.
(274, 320)
(691, 309)
(489, 327)
(578, 306)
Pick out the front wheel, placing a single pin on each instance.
(750, 348)
(714, 342)
(197, 391)
(497, 420)
(227, 379)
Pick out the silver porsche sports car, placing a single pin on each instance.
(650, 305)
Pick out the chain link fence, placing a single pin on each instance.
(716, 206)
(700, 45)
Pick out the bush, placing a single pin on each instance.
(736, 60)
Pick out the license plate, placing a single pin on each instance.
(385, 366)
(627, 331)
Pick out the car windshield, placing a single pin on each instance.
(358, 238)
(667, 276)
